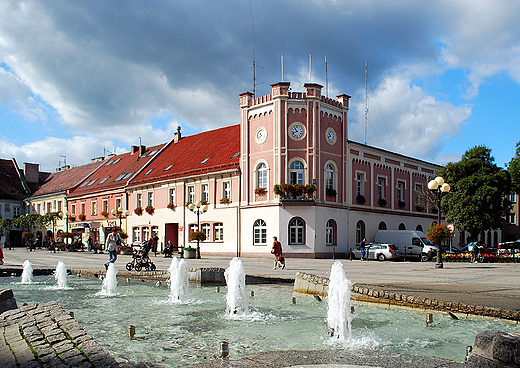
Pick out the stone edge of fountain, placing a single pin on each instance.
(306, 283)
(45, 333)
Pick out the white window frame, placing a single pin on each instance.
(150, 199)
(381, 184)
(360, 183)
(262, 175)
(136, 234)
(93, 208)
(138, 200)
(146, 233)
(297, 174)
(400, 191)
(219, 231)
(259, 232)
(206, 228)
(297, 231)
(105, 205)
(330, 176)
(73, 209)
(204, 192)
(118, 203)
(191, 193)
(329, 232)
(172, 196)
(226, 189)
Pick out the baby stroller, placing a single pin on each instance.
(141, 260)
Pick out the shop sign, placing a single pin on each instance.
(111, 223)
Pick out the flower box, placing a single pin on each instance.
(381, 202)
(260, 191)
(360, 199)
(149, 210)
(401, 204)
(190, 252)
(198, 236)
(171, 206)
(330, 192)
(225, 200)
(104, 213)
(138, 211)
(82, 217)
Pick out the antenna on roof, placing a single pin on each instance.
(310, 68)
(64, 160)
(366, 100)
(281, 61)
(139, 141)
(254, 58)
(326, 78)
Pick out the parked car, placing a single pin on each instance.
(377, 251)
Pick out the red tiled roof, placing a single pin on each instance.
(115, 172)
(64, 180)
(10, 184)
(211, 151)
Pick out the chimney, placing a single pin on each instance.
(177, 136)
(31, 172)
(142, 149)
(134, 149)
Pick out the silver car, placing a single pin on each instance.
(377, 251)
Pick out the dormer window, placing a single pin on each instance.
(204, 161)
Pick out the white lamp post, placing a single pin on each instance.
(440, 186)
(198, 209)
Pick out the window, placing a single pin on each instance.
(206, 228)
(259, 232)
(419, 228)
(360, 179)
(146, 233)
(171, 198)
(297, 231)
(235, 155)
(204, 161)
(148, 172)
(155, 230)
(83, 211)
(510, 218)
(382, 226)
(118, 203)
(296, 172)
(261, 176)
(381, 188)
(226, 189)
(360, 231)
(511, 197)
(105, 205)
(39, 208)
(401, 226)
(91, 183)
(139, 200)
(49, 209)
(169, 167)
(329, 177)
(150, 199)
(400, 191)
(330, 232)
(17, 211)
(105, 179)
(191, 194)
(137, 234)
(193, 228)
(73, 209)
(93, 207)
(219, 231)
(205, 192)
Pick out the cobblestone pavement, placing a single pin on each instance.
(44, 335)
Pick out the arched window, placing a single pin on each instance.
(329, 177)
(401, 226)
(360, 231)
(259, 232)
(419, 228)
(330, 232)
(296, 171)
(261, 175)
(296, 231)
(382, 226)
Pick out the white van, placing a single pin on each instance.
(411, 243)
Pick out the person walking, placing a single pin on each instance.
(277, 251)
(363, 250)
(112, 244)
(2, 242)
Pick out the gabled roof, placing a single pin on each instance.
(115, 172)
(212, 151)
(11, 187)
(65, 180)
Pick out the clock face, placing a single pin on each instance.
(261, 135)
(297, 131)
(330, 134)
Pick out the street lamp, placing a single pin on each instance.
(198, 209)
(67, 221)
(119, 212)
(440, 186)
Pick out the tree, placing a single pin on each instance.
(476, 201)
(514, 170)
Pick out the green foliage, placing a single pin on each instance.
(476, 201)
(513, 167)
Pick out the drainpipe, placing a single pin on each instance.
(183, 217)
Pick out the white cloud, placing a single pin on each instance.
(405, 119)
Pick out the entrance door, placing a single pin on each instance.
(171, 233)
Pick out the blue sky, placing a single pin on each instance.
(80, 79)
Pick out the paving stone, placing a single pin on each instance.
(6, 356)
(42, 350)
(72, 357)
(48, 358)
(30, 364)
(83, 338)
(53, 339)
(51, 330)
(63, 346)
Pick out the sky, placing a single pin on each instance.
(82, 79)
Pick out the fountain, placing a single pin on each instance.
(109, 287)
(237, 300)
(179, 283)
(339, 316)
(60, 275)
(27, 273)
